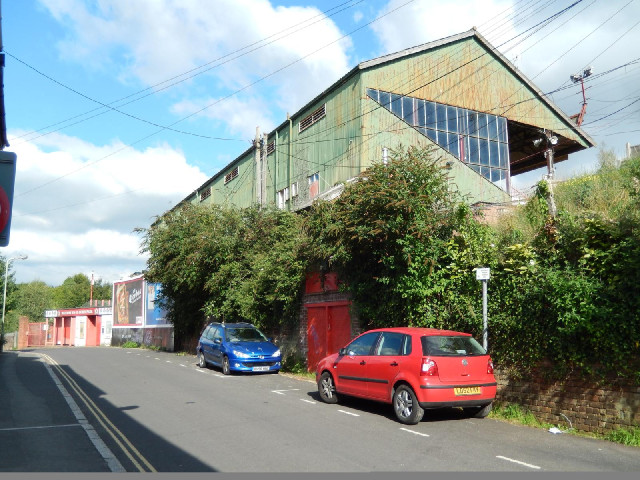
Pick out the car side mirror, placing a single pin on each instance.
(217, 340)
(342, 352)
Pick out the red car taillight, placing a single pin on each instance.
(429, 368)
(490, 367)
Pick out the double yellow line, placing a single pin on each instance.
(131, 452)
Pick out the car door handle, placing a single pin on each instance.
(363, 362)
(394, 364)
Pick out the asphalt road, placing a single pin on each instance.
(107, 409)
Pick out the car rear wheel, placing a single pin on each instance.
(202, 363)
(406, 406)
(327, 389)
(478, 412)
(226, 368)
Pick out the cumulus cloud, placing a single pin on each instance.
(292, 51)
(79, 203)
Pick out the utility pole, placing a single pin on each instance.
(258, 157)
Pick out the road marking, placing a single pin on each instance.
(129, 450)
(112, 462)
(156, 358)
(308, 401)
(349, 413)
(280, 392)
(414, 432)
(168, 361)
(200, 371)
(518, 462)
(39, 427)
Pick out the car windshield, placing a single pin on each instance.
(451, 346)
(245, 334)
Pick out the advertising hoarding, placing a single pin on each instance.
(128, 302)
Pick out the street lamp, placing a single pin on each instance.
(4, 296)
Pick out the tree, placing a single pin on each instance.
(401, 240)
(74, 292)
(226, 263)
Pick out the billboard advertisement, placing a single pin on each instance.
(156, 315)
(128, 302)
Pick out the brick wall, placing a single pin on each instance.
(590, 407)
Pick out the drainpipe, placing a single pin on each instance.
(289, 161)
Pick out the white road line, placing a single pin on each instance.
(280, 392)
(168, 361)
(39, 427)
(200, 371)
(349, 413)
(102, 448)
(518, 462)
(308, 401)
(156, 358)
(415, 433)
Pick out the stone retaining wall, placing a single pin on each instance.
(589, 407)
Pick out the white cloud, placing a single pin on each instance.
(424, 21)
(76, 204)
(153, 40)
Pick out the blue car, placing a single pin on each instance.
(237, 347)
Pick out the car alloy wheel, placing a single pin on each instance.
(202, 363)
(406, 405)
(226, 368)
(327, 389)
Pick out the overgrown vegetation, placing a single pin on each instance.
(564, 291)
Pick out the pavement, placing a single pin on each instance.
(41, 427)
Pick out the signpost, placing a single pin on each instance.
(483, 275)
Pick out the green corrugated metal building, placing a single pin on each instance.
(458, 95)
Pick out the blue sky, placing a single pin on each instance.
(119, 109)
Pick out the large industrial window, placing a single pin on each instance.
(478, 139)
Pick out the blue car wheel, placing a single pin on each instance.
(226, 368)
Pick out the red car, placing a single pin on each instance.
(412, 368)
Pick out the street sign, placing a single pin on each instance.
(7, 181)
(483, 273)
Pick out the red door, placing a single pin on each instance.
(328, 330)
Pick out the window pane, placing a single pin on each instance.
(464, 146)
(441, 113)
(407, 110)
(372, 93)
(431, 114)
(363, 345)
(462, 121)
(482, 125)
(504, 155)
(484, 152)
(473, 123)
(432, 134)
(442, 139)
(502, 129)
(396, 104)
(390, 344)
(452, 120)
(495, 175)
(385, 100)
(420, 113)
(492, 127)
(495, 156)
(474, 151)
(453, 144)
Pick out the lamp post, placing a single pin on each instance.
(4, 295)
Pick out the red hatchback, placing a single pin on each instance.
(413, 369)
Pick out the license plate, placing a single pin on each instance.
(260, 369)
(466, 390)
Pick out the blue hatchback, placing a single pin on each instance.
(237, 347)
